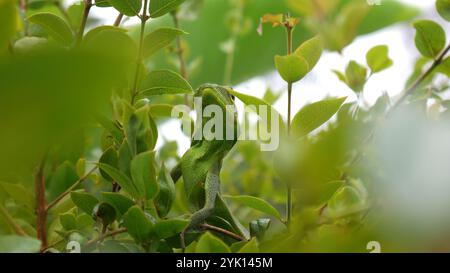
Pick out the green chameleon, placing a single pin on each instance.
(200, 166)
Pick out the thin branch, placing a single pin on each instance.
(144, 19)
(118, 20)
(419, 81)
(223, 231)
(10, 220)
(106, 235)
(70, 189)
(41, 212)
(87, 7)
(411, 89)
(180, 50)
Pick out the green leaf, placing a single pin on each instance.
(161, 110)
(17, 244)
(346, 201)
(127, 7)
(85, 201)
(378, 58)
(163, 82)
(292, 68)
(19, 193)
(430, 38)
(255, 203)
(91, 34)
(101, 38)
(55, 26)
(160, 7)
(8, 23)
(250, 247)
(105, 212)
(120, 178)
(119, 201)
(166, 195)
(159, 39)
(444, 67)
(257, 102)
(138, 225)
(63, 178)
(209, 243)
(111, 158)
(312, 116)
(102, 3)
(259, 227)
(443, 7)
(311, 50)
(125, 158)
(144, 174)
(168, 228)
(68, 221)
(356, 76)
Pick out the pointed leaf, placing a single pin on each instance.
(312, 116)
(144, 174)
(378, 58)
(209, 243)
(127, 7)
(159, 39)
(430, 38)
(120, 178)
(162, 82)
(443, 7)
(55, 26)
(85, 201)
(138, 225)
(160, 7)
(119, 201)
(255, 203)
(292, 68)
(168, 228)
(17, 244)
(311, 50)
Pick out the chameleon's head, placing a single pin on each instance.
(220, 99)
(213, 94)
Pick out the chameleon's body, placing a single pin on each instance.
(200, 165)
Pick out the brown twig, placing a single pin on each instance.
(106, 235)
(223, 231)
(70, 189)
(180, 49)
(87, 8)
(41, 212)
(118, 20)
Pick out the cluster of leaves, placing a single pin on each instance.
(127, 201)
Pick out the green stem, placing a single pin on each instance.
(144, 19)
(288, 184)
(180, 53)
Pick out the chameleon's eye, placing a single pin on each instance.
(233, 98)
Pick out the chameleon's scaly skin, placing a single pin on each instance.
(200, 165)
